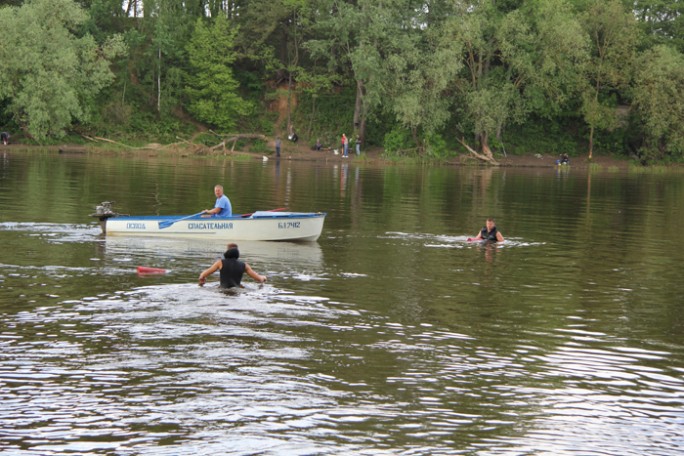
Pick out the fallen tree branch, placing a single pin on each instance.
(189, 144)
(222, 144)
(98, 138)
(478, 155)
(245, 136)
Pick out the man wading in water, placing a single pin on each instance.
(489, 233)
(231, 269)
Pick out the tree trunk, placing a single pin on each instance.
(131, 4)
(159, 81)
(293, 61)
(290, 128)
(359, 112)
(312, 118)
(484, 147)
(420, 147)
(591, 142)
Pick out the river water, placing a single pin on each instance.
(390, 335)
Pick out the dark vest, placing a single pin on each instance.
(231, 272)
(488, 235)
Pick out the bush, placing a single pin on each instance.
(436, 146)
(398, 142)
(259, 146)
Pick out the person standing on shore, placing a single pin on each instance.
(358, 145)
(345, 146)
(278, 143)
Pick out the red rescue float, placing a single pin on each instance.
(144, 270)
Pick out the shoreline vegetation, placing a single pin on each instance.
(301, 152)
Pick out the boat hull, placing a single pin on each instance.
(260, 226)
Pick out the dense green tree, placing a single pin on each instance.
(106, 17)
(545, 50)
(212, 87)
(52, 84)
(662, 21)
(263, 33)
(520, 59)
(161, 58)
(613, 36)
(338, 30)
(270, 47)
(378, 52)
(417, 65)
(484, 94)
(396, 56)
(659, 85)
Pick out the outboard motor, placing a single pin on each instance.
(103, 211)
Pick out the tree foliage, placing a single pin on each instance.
(659, 83)
(613, 34)
(425, 74)
(52, 84)
(212, 88)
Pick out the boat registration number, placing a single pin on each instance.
(288, 225)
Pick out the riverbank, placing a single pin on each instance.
(303, 152)
(375, 156)
(522, 161)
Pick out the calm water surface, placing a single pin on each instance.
(390, 335)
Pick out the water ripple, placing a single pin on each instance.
(161, 368)
(55, 232)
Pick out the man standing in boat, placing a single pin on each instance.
(222, 208)
(230, 269)
(489, 233)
